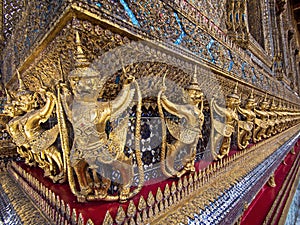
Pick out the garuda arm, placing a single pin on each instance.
(122, 101)
(171, 107)
(46, 111)
(67, 99)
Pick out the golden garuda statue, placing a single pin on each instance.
(280, 121)
(94, 149)
(245, 126)
(35, 143)
(15, 127)
(261, 121)
(186, 133)
(223, 129)
(272, 119)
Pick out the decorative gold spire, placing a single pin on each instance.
(273, 105)
(251, 97)
(21, 83)
(194, 85)
(80, 60)
(235, 91)
(8, 97)
(265, 101)
(22, 90)
(82, 65)
(234, 94)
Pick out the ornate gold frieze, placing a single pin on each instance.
(215, 47)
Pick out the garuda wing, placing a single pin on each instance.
(218, 127)
(44, 140)
(181, 133)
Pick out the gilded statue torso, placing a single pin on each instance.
(89, 120)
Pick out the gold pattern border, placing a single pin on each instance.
(172, 204)
(26, 210)
(221, 180)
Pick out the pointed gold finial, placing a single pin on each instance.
(280, 104)
(195, 75)
(81, 60)
(234, 94)
(82, 65)
(265, 98)
(22, 90)
(21, 83)
(251, 96)
(8, 96)
(235, 91)
(194, 85)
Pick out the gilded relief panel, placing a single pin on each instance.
(178, 23)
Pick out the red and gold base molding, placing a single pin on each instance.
(219, 194)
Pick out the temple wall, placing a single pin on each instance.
(232, 52)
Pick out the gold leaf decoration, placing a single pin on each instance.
(108, 220)
(131, 210)
(120, 215)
